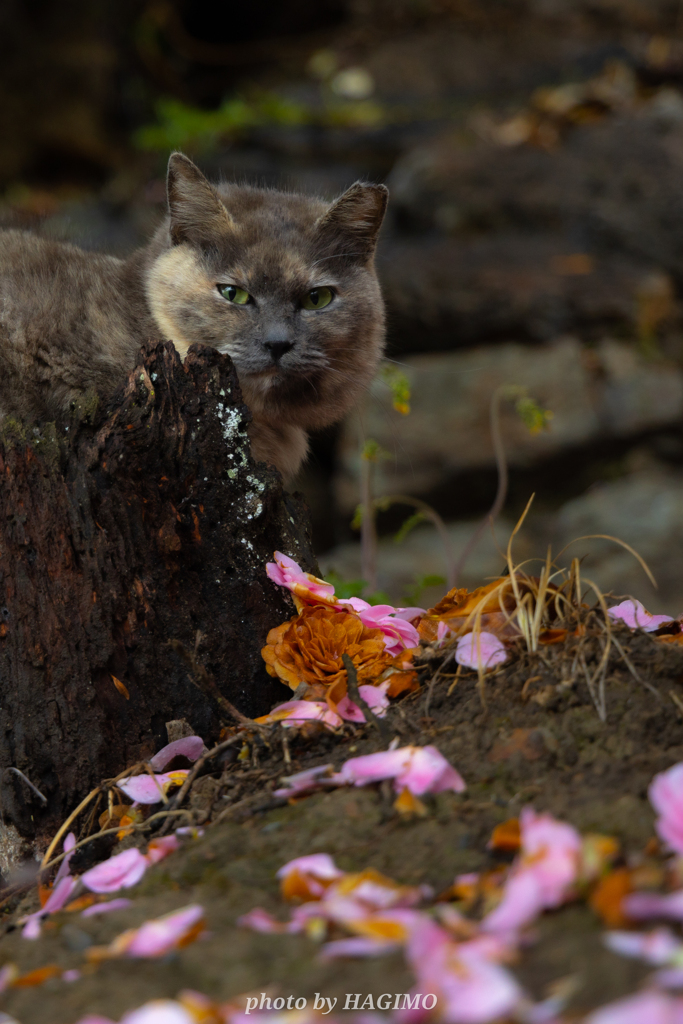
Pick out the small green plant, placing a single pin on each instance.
(399, 386)
(413, 595)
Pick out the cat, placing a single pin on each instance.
(283, 283)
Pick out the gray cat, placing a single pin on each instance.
(285, 284)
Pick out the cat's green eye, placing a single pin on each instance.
(317, 298)
(233, 294)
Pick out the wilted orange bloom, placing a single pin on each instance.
(492, 606)
(491, 609)
(309, 648)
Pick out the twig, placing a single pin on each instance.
(28, 783)
(368, 529)
(677, 701)
(204, 681)
(501, 491)
(434, 517)
(632, 670)
(144, 826)
(198, 765)
(352, 687)
(285, 747)
(72, 817)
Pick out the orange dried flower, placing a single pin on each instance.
(309, 648)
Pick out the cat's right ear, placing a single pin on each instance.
(197, 213)
(356, 217)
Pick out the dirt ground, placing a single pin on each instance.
(538, 742)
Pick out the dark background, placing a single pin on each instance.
(534, 152)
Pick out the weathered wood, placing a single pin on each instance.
(152, 525)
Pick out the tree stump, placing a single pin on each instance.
(124, 542)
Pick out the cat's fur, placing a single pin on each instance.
(72, 321)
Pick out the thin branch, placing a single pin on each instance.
(354, 693)
(501, 491)
(28, 783)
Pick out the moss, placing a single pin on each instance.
(12, 432)
(84, 408)
(47, 444)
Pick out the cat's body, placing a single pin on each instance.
(283, 283)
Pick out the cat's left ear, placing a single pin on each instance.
(357, 216)
(197, 213)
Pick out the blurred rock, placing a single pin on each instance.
(527, 242)
(422, 554)
(644, 509)
(607, 391)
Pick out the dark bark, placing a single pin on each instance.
(119, 541)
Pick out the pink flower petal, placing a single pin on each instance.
(160, 848)
(657, 947)
(522, 902)
(319, 777)
(552, 849)
(471, 988)
(190, 747)
(542, 875)
(119, 872)
(643, 1008)
(60, 895)
(95, 1018)
(313, 865)
(475, 649)
(286, 573)
(420, 769)
(106, 908)
(374, 696)
(148, 789)
(399, 633)
(158, 937)
(636, 617)
(63, 870)
(429, 772)
(356, 946)
(292, 712)
(159, 1011)
(642, 905)
(666, 796)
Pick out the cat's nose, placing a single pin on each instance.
(278, 348)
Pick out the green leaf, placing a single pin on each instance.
(409, 524)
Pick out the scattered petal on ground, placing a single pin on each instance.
(320, 777)
(643, 905)
(418, 769)
(666, 796)
(657, 947)
(293, 712)
(150, 789)
(155, 938)
(105, 908)
(159, 1011)
(60, 895)
(374, 696)
(643, 1008)
(543, 874)
(119, 872)
(636, 617)
(190, 747)
(308, 877)
(471, 987)
(480, 649)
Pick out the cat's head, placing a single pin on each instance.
(284, 284)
